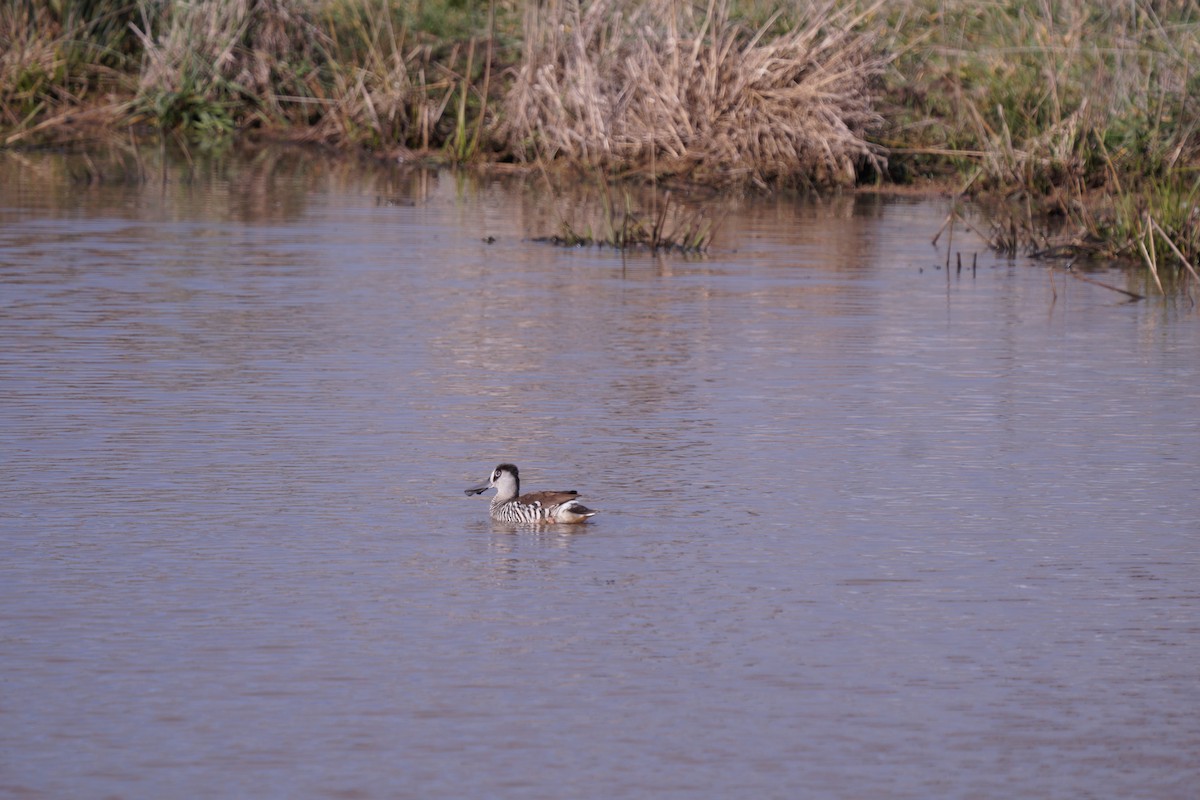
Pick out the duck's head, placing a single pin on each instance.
(504, 478)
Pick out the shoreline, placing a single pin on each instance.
(1012, 108)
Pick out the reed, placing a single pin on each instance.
(407, 76)
(63, 67)
(616, 84)
(212, 66)
(373, 80)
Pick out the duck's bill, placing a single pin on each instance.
(480, 489)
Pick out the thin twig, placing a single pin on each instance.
(1127, 293)
(938, 235)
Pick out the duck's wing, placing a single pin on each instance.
(547, 499)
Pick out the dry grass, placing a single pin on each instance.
(1084, 114)
(385, 86)
(51, 69)
(216, 60)
(345, 72)
(29, 57)
(29, 39)
(247, 44)
(615, 83)
(1083, 111)
(1040, 93)
(371, 95)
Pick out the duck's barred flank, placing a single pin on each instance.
(516, 511)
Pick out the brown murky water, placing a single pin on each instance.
(868, 529)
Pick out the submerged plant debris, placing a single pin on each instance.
(665, 227)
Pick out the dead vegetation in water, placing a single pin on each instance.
(655, 222)
(1161, 231)
(664, 87)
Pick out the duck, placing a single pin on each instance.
(509, 505)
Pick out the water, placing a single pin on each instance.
(868, 528)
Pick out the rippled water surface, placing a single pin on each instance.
(869, 527)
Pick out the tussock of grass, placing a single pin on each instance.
(59, 62)
(391, 86)
(345, 72)
(213, 65)
(657, 85)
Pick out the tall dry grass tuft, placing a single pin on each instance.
(223, 57)
(387, 81)
(367, 96)
(58, 65)
(617, 83)
(29, 58)
(381, 86)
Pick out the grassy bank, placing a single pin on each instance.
(1077, 117)
(1082, 113)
